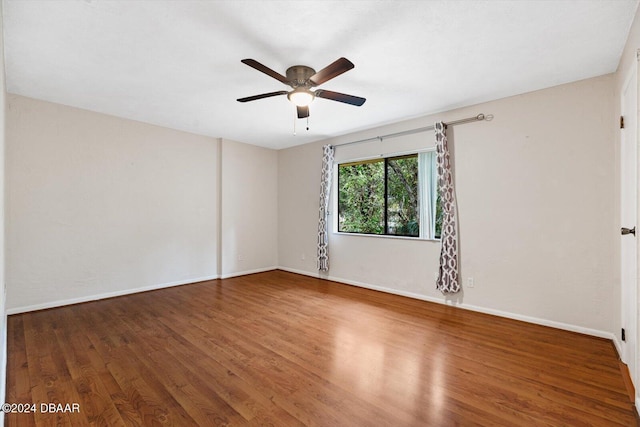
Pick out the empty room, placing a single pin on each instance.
(319, 213)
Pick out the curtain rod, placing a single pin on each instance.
(477, 118)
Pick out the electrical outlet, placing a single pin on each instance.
(470, 283)
(240, 257)
(303, 257)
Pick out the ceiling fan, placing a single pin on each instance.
(302, 79)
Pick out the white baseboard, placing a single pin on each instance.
(59, 303)
(616, 343)
(246, 272)
(500, 313)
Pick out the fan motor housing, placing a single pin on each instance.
(299, 75)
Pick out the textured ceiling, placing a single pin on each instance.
(177, 63)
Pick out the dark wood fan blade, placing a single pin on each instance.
(264, 95)
(340, 97)
(303, 112)
(268, 71)
(335, 69)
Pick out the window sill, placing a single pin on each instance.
(386, 236)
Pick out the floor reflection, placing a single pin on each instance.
(370, 360)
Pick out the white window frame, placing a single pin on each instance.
(425, 231)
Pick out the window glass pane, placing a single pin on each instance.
(402, 196)
(390, 196)
(361, 197)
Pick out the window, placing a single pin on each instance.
(394, 196)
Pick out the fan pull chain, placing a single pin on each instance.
(294, 124)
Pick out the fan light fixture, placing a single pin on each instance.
(301, 97)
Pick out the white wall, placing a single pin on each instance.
(98, 205)
(536, 210)
(249, 208)
(101, 206)
(629, 54)
(3, 311)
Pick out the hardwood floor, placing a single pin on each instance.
(287, 350)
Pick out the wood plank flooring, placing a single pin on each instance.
(280, 349)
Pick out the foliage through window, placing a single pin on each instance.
(390, 196)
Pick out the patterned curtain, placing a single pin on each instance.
(325, 189)
(448, 274)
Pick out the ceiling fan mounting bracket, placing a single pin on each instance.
(299, 75)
